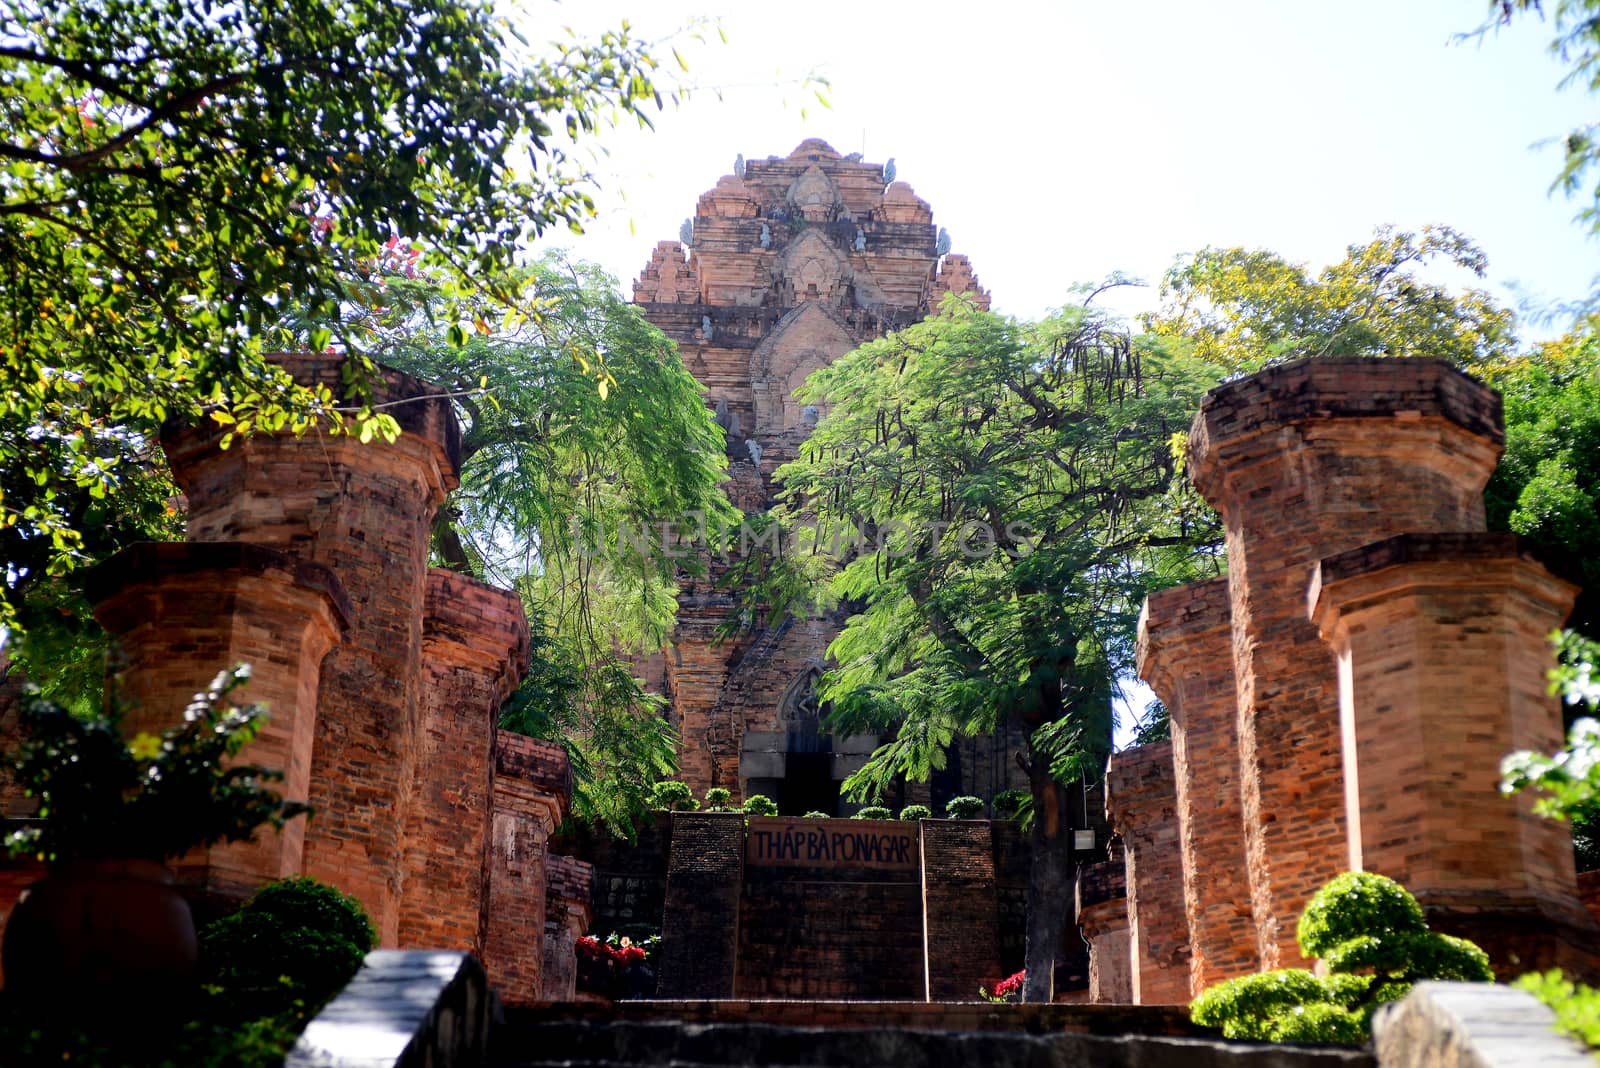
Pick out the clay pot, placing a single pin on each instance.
(101, 926)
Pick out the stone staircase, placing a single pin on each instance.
(862, 1034)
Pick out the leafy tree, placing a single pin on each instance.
(173, 173)
(1374, 939)
(562, 477)
(1007, 493)
(1547, 487)
(1248, 309)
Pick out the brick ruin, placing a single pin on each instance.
(793, 263)
(1343, 697)
(307, 559)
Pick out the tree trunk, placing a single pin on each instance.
(1050, 878)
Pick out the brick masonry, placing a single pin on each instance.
(794, 263)
(700, 931)
(961, 936)
(1302, 461)
(1140, 783)
(1443, 652)
(1102, 911)
(307, 558)
(569, 888)
(1184, 650)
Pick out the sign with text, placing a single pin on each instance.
(893, 845)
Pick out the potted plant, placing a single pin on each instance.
(112, 812)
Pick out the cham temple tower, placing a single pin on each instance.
(792, 262)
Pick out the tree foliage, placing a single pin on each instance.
(173, 173)
(1244, 310)
(1547, 487)
(581, 432)
(1373, 937)
(999, 496)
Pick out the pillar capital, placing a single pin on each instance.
(1417, 411)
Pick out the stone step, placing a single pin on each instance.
(664, 1044)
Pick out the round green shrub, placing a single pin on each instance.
(718, 799)
(1321, 1023)
(873, 812)
(1409, 956)
(1354, 904)
(674, 796)
(1007, 802)
(916, 812)
(288, 949)
(1244, 1008)
(964, 808)
(815, 815)
(760, 805)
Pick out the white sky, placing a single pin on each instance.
(1059, 142)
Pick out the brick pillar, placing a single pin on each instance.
(960, 922)
(1302, 461)
(474, 653)
(1141, 802)
(532, 785)
(182, 612)
(1185, 653)
(1443, 655)
(700, 921)
(569, 886)
(364, 512)
(1102, 904)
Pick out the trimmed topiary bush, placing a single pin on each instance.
(916, 812)
(1373, 937)
(760, 805)
(815, 815)
(873, 812)
(674, 796)
(964, 808)
(719, 799)
(288, 949)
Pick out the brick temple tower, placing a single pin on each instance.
(792, 262)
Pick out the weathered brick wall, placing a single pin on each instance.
(960, 920)
(822, 917)
(474, 652)
(568, 889)
(1102, 911)
(1305, 460)
(363, 511)
(1012, 860)
(700, 932)
(1442, 640)
(531, 785)
(630, 878)
(181, 613)
(1185, 652)
(1141, 802)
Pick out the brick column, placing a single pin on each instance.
(182, 612)
(569, 887)
(1102, 905)
(700, 921)
(1302, 461)
(474, 652)
(532, 785)
(1185, 653)
(960, 928)
(1443, 655)
(364, 512)
(1141, 802)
